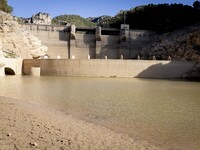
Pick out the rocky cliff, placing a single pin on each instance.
(16, 42)
(39, 18)
(182, 44)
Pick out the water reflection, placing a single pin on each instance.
(162, 112)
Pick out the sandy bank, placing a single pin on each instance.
(30, 126)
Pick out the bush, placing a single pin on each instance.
(5, 7)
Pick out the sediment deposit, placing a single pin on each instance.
(30, 126)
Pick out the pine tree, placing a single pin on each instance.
(196, 4)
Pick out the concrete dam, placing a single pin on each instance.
(93, 42)
(98, 52)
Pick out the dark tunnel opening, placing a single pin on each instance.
(9, 71)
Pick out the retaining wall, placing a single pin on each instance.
(109, 68)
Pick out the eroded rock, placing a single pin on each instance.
(17, 42)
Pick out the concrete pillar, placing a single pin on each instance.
(49, 31)
(98, 33)
(35, 71)
(37, 28)
(98, 42)
(138, 57)
(124, 32)
(124, 41)
(73, 32)
(98, 49)
(72, 41)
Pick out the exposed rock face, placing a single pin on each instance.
(16, 42)
(39, 18)
(183, 44)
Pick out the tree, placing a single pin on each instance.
(196, 5)
(5, 7)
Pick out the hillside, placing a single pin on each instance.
(72, 19)
(160, 17)
(102, 21)
(182, 44)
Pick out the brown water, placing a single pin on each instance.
(162, 112)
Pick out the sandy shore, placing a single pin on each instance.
(31, 126)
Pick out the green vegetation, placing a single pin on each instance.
(196, 5)
(161, 17)
(72, 19)
(102, 21)
(5, 7)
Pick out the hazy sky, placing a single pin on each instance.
(84, 8)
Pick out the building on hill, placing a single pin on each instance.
(39, 18)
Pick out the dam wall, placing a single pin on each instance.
(56, 38)
(109, 68)
(93, 42)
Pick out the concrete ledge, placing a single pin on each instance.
(109, 68)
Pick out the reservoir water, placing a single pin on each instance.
(165, 113)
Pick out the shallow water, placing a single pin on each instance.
(162, 112)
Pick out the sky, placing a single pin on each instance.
(84, 8)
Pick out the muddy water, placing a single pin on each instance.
(162, 112)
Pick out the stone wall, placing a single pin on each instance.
(110, 68)
(79, 43)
